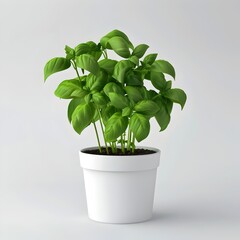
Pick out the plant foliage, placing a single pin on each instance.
(112, 93)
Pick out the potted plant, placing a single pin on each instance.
(111, 96)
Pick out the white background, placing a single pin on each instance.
(41, 183)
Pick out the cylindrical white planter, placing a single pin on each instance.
(120, 189)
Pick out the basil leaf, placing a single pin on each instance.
(164, 67)
(82, 116)
(163, 115)
(127, 111)
(54, 65)
(133, 93)
(176, 95)
(121, 68)
(158, 80)
(82, 48)
(147, 107)
(88, 62)
(70, 53)
(119, 46)
(133, 78)
(96, 83)
(107, 113)
(107, 65)
(140, 126)
(150, 58)
(72, 106)
(118, 100)
(115, 127)
(115, 33)
(99, 99)
(134, 59)
(140, 50)
(113, 87)
(69, 89)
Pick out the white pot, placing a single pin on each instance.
(120, 189)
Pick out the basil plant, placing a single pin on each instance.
(110, 94)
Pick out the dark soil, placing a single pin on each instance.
(138, 151)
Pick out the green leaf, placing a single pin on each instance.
(164, 67)
(120, 46)
(93, 46)
(133, 93)
(115, 33)
(54, 65)
(147, 107)
(96, 116)
(95, 50)
(72, 106)
(134, 59)
(113, 87)
(133, 78)
(163, 118)
(144, 92)
(96, 83)
(163, 115)
(140, 126)
(118, 100)
(70, 53)
(89, 47)
(69, 89)
(152, 94)
(88, 98)
(108, 65)
(121, 69)
(150, 58)
(82, 116)
(176, 95)
(115, 127)
(100, 99)
(140, 50)
(107, 113)
(168, 85)
(127, 111)
(158, 80)
(88, 62)
(82, 48)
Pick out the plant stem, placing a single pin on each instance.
(129, 139)
(124, 140)
(122, 144)
(99, 145)
(100, 119)
(112, 147)
(75, 67)
(105, 52)
(133, 144)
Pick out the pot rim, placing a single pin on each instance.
(120, 163)
(156, 150)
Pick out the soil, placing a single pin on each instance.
(138, 151)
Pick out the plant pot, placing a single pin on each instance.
(120, 189)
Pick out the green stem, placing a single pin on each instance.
(111, 144)
(75, 67)
(133, 144)
(99, 145)
(105, 52)
(100, 119)
(122, 145)
(114, 147)
(124, 141)
(129, 139)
